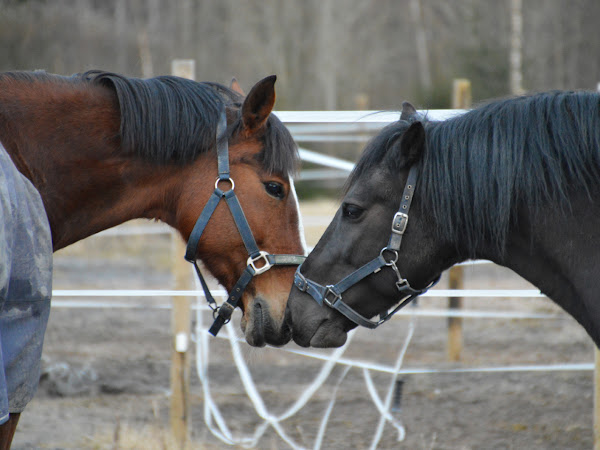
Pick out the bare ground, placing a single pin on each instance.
(106, 381)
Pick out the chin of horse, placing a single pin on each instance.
(316, 330)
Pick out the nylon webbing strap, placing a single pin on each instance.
(313, 289)
(222, 147)
(207, 294)
(196, 234)
(353, 315)
(371, 267)
(285, 260)
(226, 309)
(242, 224)
(401, 217)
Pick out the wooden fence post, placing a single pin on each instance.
(179, 412)
(461, 99)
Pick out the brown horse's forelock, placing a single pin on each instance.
(170, 120)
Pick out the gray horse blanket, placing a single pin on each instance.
(25, 286)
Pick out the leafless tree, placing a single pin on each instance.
(325, 52)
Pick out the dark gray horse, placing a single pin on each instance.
(515, 182)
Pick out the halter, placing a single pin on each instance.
(222, 313)
(331, 295)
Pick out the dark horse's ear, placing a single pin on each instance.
(409, 112)
(259, 104)
(408, 148)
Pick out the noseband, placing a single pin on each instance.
(331, 295)
(222, 313)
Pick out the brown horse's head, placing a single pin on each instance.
(159, 161)
(262, 156)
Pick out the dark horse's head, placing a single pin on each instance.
(489, 185)
(359, 231)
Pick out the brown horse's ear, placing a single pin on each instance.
(408, 148)
(409, 112)
(259, 104)
(235, 86)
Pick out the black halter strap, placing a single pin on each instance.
(331, 295)
(222, 314)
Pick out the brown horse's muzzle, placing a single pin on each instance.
(261, 328)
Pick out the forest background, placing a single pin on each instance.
(327, 54)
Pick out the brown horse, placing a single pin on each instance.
(101, 149)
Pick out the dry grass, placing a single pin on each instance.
(148, 437)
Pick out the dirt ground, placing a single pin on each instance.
(106, 371)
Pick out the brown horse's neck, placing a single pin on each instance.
(64, 137)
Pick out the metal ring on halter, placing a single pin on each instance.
(228, 179)
(215, 314)
(391, 261)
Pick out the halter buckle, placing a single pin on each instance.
(399, 223)
(300, 281)
(330, 289)
(262, 256)
(224, 313)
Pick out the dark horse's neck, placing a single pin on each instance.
(65, 140)
(516, 182)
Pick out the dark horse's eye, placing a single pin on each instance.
(351, 211)
(274, 189)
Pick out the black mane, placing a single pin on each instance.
(478, 168)
(172, 120)
(169, 119)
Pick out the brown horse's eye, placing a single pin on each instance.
(274, 189)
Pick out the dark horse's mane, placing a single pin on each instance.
(172, 120)
(478, 168)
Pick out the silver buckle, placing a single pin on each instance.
(336, 296)
(399, 223)
(300, 282)
(261, 256)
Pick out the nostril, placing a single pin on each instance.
(258, 314)
(288, 315)
(258, 329)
